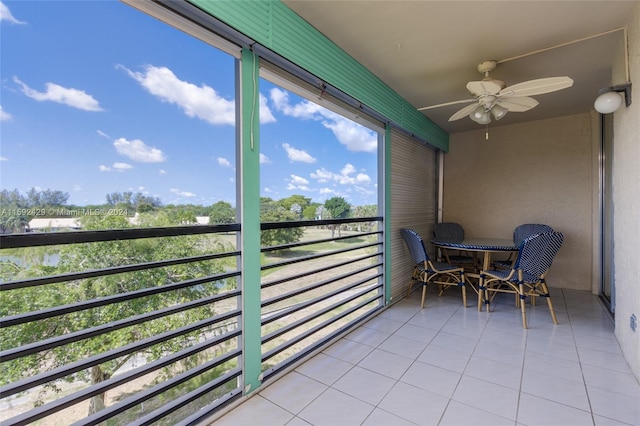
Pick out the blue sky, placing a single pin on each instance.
(97, 97)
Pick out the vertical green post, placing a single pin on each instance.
(250, 217)
(387, 214)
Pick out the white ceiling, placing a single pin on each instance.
(428, 50)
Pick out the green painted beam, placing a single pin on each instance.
(272, 24)
(387, 214)
(250, 197)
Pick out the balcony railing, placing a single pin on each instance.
(324, 286)
(140, 325)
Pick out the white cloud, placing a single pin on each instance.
(5, 15)
(264, 159)
(182, 193)
(139, 151)
(364, 191)
(103, 134)
(292, 187)
(118, 167)
(62, 95)
(162, 171)
(4, 159)
(352, 135)
(322, 175)
(347, 169)
(345, 177)
(202, 101)
(355, 137)
(363, 178)
(122, 166)
(298, 183)
(297, 180)
(298, 154)
(304, 109)
(4, 116)
(224, 162)
(326, 191)
(266, 116)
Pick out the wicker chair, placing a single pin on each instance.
(425, 271)
(527, 276)
(519, 234)
(454, 232)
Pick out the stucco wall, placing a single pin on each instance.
(537, 172)
(626, 205)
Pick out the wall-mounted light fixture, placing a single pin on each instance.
(610, 98)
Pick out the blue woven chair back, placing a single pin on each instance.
(415, 245)
(448, 231)
(528, 229)
(537, 252)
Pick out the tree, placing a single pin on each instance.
(339, 209)
(222, 212)
(17, 210)
(12, 199)
(299, 201)
(311, 211)
(271, 211)
(12, 211)
(370, 210)
(133, 202)
(47, 197)
(98, 255)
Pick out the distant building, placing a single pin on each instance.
(41, 224)
(202, 220)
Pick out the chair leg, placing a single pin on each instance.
(523, 307)
(548, 297)
(424, 293)
(464, 295)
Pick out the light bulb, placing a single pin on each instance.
(478, 113)
(486, 119)
(608, 102)
(498, 111)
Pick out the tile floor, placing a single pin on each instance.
(446, 365)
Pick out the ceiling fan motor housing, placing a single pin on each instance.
(487, 66)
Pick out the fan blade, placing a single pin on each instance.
(537, 87)
(463, 101)
(517, 103)
(477, 88)
(463, 112)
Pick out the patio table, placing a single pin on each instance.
(483, 245)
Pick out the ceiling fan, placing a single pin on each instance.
(493, 97)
